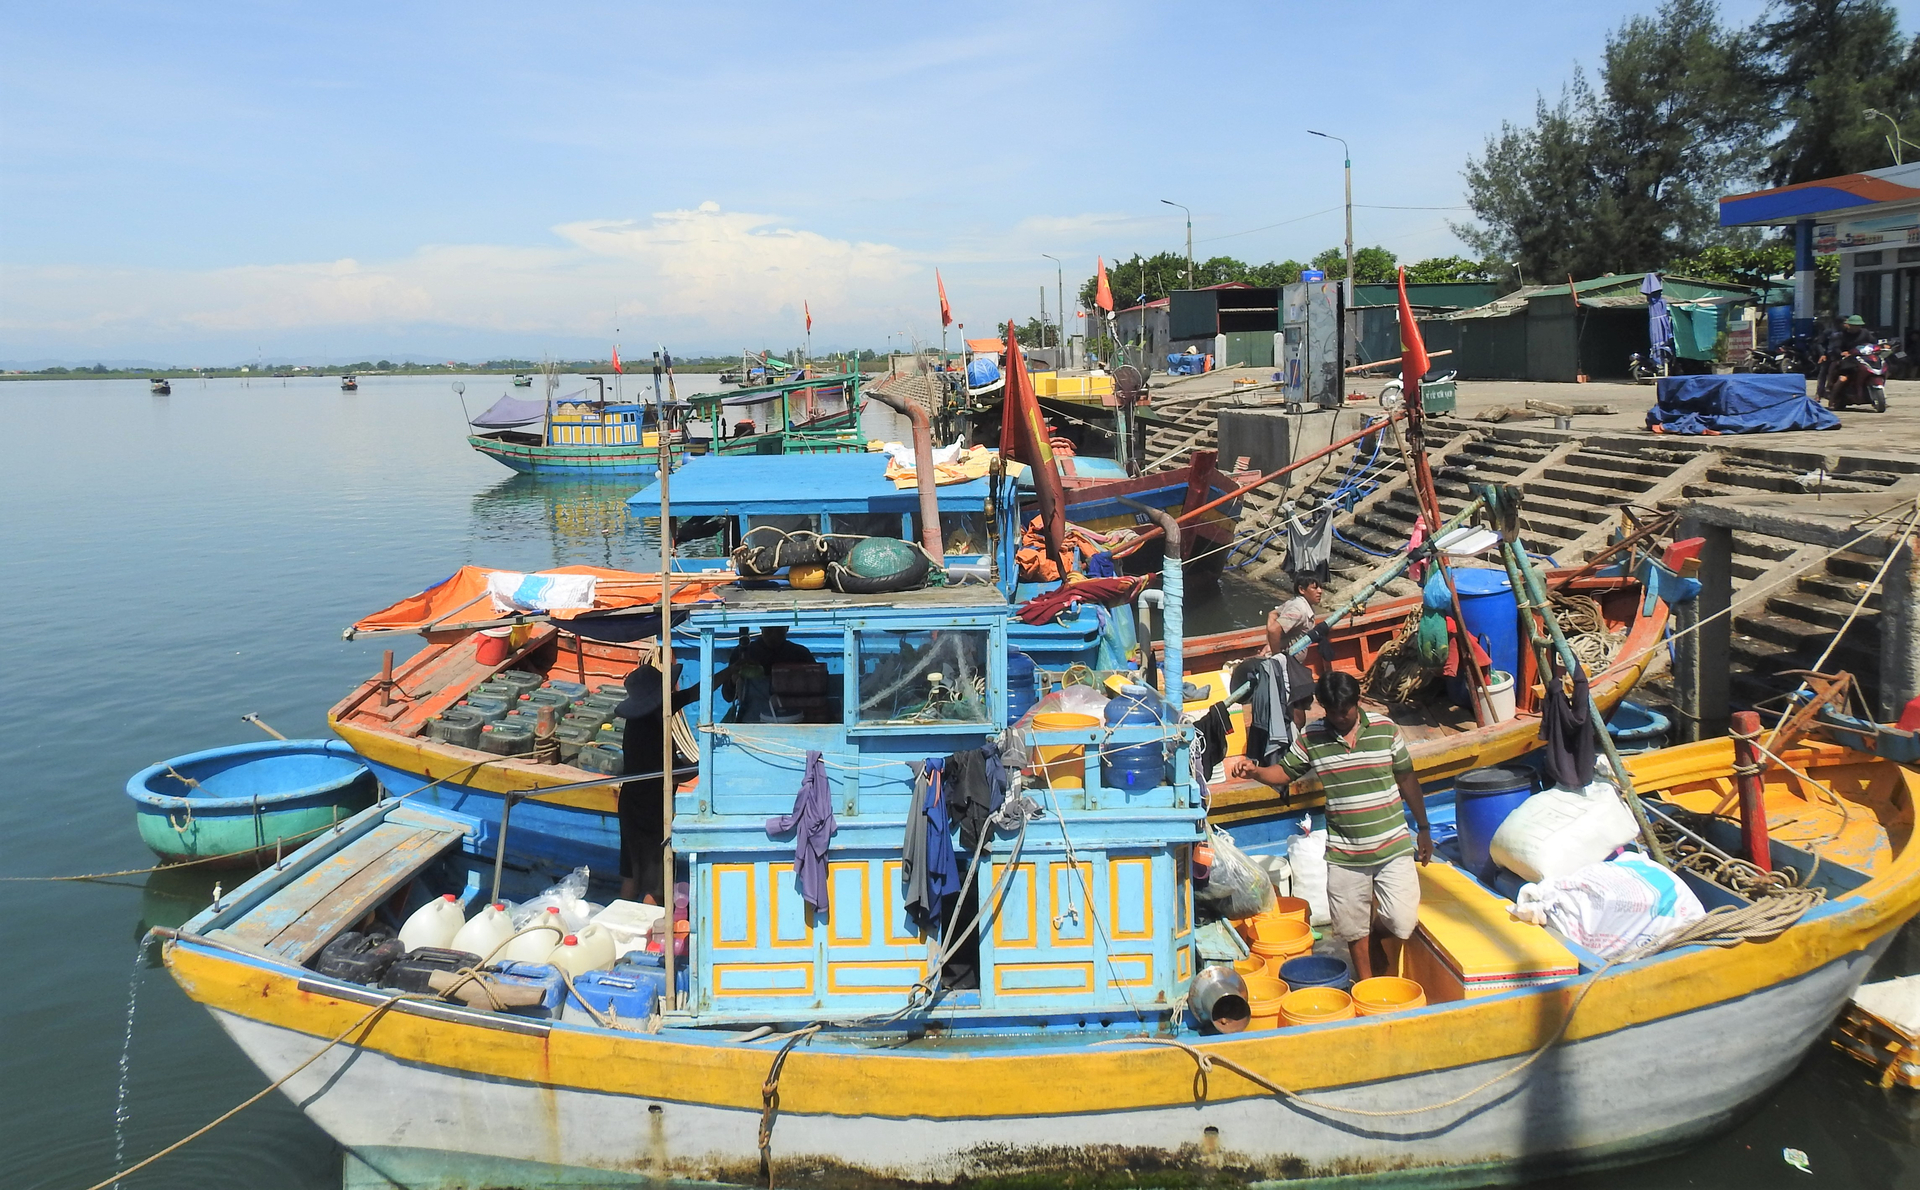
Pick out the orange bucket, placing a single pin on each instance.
(1265, 994)
(1063, 765)
(1385, 994)
(1315, 1006)
(1284, 939)
(1295, 908)
(491, 648)
(1251, 965)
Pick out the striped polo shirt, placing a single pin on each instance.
(1366, 819)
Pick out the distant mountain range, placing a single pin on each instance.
(135, 365)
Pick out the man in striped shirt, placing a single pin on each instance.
(1373, 888)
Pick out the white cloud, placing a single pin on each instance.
(706, 273)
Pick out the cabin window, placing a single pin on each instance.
(960, 532)
(864, 524)
(786, 688)
(786, 522)
(701, 536)
(922, 675)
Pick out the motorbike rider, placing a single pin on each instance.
(1842, 342)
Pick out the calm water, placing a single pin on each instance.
(178, 561)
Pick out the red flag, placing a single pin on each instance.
(616, 357)
(1103, 293)
(946, 311)
(1023, 437)
(809, 313)
(1413, 352)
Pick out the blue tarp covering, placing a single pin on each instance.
(1738, 404)
(510, 411)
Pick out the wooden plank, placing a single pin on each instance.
(298, 920)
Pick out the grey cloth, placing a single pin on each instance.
(1283, 683)
(913, 849)
(1310, 544)
(812, 824)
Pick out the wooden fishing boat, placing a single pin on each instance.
(805, 415)
(522, 380)
(159, 386)
(576, 436)
(348, 384)
(250, 803)
(1075, 1056)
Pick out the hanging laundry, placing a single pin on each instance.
(1310, 544)
(971, 793)
(1566, 724)
(928, 871)
(1050, 605)
(1280, 684)
(812, 824)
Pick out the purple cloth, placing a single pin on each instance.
(812, 825)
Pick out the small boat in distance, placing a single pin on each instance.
(159, 386)
(522, 380)
(349, 385)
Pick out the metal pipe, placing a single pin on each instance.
(923, 477)
(666, 696)
(1173, 627)
(1744, 727)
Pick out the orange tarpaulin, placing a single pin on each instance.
(984, 346)
(463, 597)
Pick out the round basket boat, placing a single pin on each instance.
(237, 806)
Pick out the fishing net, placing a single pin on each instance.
(1398, 670)
(1585, 626)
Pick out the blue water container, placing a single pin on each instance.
(1635, 728)
(629, 993)
(1482, 799)
(1316, 971)
(1134, 766)
(1022, 690)
(1491, 613)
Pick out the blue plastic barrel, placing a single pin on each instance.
(1021, 691)
(1316, 971)
(1492, 615)
(1482, 799)
(1134, 766)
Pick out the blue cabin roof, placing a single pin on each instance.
(725, 485)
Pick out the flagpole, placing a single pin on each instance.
(667, 765)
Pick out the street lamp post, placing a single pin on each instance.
(1349, 167)
(1896, 140)
(1060, 296)
(1171, 203)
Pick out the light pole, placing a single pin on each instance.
(1060, 296)
(1171, 203)
(1896, 140)
(1349, 156)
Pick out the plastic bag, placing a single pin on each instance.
(1558, 831)
(1074, 700)
(569, 895)
(1236, 887)
(1307, 860)
(1612, 907)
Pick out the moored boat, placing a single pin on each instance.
(159, 386)
(249, 803)
(349, 384)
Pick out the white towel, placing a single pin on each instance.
(513, 592)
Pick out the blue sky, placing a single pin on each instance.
(195, 183)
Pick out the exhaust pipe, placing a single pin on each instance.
(922, 472)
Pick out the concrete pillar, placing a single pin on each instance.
(1700, 677)
(1803, 277)
(1899, 634)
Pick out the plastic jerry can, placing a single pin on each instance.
(506, 739)
(458, 726)
(521, 679)
(571, 691)
(433, 924)
(534, 945)
(547, 698)
(589, 950)
(488, 929)
(625, 996)
(414, 973)
(489, 708)
(359, 958)
(571, 740)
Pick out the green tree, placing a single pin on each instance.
(1370, 265)
(1829, 61)
(1440, 269)
(1034, 333)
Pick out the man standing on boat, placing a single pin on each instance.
(1373, 886)
(642, 803)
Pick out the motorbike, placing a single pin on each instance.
(1645, 369)
(1860, 377)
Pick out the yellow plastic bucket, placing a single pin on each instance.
(1315, 1006)
(1265, 995)
(1386, 994)
(1293, 907)
(1284, 939)
(1251, 965)
(1063, 765)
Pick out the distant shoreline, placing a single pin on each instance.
(640, 368)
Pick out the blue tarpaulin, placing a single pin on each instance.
(1739, 404)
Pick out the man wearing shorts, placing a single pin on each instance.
(1373, 887)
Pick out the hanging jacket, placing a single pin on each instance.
(812, 824)
(1567, 727)
(928, 871)
(972, 791)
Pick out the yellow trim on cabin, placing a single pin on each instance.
(780, 883)
(1083, 971)
(860, 869)
(1146, 901)
(1000, 940)
(716, 899)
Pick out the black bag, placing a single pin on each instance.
(412, 973)
(359, 958)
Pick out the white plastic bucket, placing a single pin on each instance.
(1499, 697)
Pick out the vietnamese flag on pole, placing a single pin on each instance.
(1413, 351)
(1023, 437)
(946, 311)
(809, 312)
(1103, 293)
(616, 357)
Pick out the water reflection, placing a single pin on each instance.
(582, 522)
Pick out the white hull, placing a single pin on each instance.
(1604, 1100)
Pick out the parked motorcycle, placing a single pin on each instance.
(1860, 377)
(1643, 369)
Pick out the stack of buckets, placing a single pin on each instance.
(1288, 984)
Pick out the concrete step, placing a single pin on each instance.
(1839, 590)
(1825, 614)
(1581, 478)
(1805, 642)
(1855, 566)
(1557, 504)
(1621, 464)
(1754, 545)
